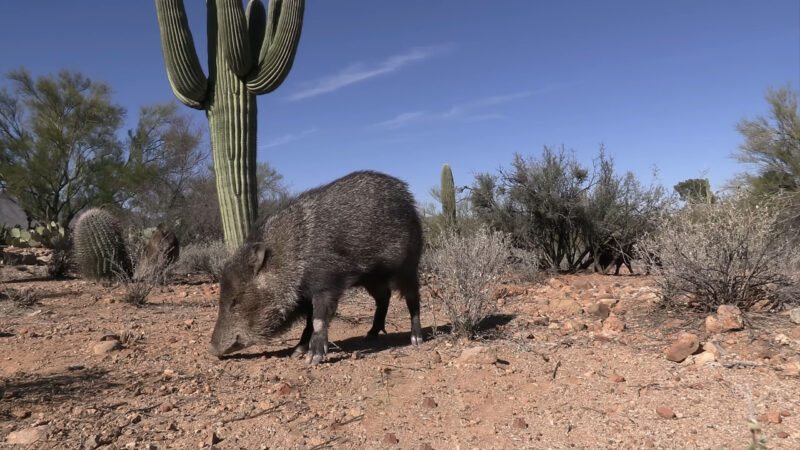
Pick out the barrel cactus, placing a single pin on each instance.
(249, 53)
(99, 247)
(448, 195)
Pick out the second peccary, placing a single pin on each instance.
(359, 230)
(162, 250)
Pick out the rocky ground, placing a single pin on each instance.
(581, 361)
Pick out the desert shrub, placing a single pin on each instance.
(564, 211)
(463, 270)
(23, 298)
(203, 257)
(729, 252)
(61, 260)
(147, 274)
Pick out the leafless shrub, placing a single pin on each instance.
(463, 271)
(148, 274)
(129, 337)
(204, 257)
(731, 252)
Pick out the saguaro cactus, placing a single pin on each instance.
(448, 195)
(249, 53)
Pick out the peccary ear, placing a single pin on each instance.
(258, 256)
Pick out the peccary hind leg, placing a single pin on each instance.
(381, 292)
(410, 290)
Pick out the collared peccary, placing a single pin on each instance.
(359, 230)
(612, 253)
(162, 247)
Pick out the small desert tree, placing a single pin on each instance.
(58, 147)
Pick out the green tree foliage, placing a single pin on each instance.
(554, 205)
(772, 144)
(695, 190)
(58, 148)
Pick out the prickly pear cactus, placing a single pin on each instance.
(249, 53)
(99, 247)
(448, 195)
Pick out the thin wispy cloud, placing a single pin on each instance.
(287, 138)
(467, 112)
(361, 72)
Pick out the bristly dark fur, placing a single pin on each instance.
(361, 229)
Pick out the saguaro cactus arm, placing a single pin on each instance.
(180, 58)
(235, 38)
(279, 45)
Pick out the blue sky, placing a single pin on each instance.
(405, 86)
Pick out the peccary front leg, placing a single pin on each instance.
(324, 307)
(302, 347)
(382, 293)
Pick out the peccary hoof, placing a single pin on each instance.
(299, 351)
(317, 349)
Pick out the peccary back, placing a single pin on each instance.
(360, 230)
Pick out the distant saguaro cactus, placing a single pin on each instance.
(249, 53)
(99, 246)
(448, 195)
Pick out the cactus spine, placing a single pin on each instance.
(99, 247)
(249, 53)
(448, 195)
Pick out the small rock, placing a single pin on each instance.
(795, 333)
(573, 325)
(101, 348)
(794, 315)
(436, 358)
(519, 424)
(716, 349)
(791, 369)
(188, 322)
(92, 442)
(355, 355)
(704, 358)
(782, 339)
(19, 413)
(282, 389)
(425, 446)
(566, 307)
(772, 417)
(665, 412)
(23, 331)
(782, 434)
(600, 310)
(316, 441)
(616, 378)
(165, 408)
(27, 436)
(477, 355)
(613, 324)
(212, 438)
(685, 345)
(785, 413)
(728, 318)
(429, 402)
(390, 439)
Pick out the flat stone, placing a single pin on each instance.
(477, 355)
(794, 315)
(27, 436)
(103, 347)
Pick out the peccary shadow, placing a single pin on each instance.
(382, 343)
(54, 389)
